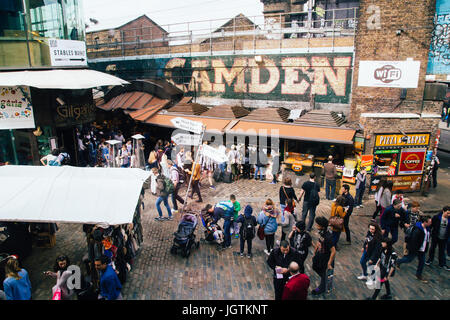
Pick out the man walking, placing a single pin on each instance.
(330, 179)
(418, 246)
(435, 166)
(349, 202)
(360, 187)
(300, 240)
(393, 216)
(297, 286)
(311, 191)
(175, 177)
(110, 285)
(279, 261)
(162, 194)
(439, 236)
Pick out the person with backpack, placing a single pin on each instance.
(164, 187)
(371, 248)
(176, 178)
(287, 219)
(417, 245)
(247, 231)
(310, 189)
(439, 236)
(386, 263)
(300, 240)
(267, 220)
(324, 254)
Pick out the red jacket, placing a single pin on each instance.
(296, 288)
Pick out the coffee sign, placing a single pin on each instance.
(412, 161)
(392, 74)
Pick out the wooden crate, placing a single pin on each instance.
(45, 240)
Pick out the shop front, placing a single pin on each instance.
(400, 158)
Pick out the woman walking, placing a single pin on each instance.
(386, 196)
(267, 219)
(287, 219)
(17, 285)
(371, 248)
(337, 209)
(386, 263)
(61, 274)
(381, 186)
(286, 193)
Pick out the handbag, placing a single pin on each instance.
(293, 202)
(336, 222)
(57, 294)
(260, 231)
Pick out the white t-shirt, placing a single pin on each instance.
(48, 158)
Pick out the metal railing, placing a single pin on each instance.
(214, 35)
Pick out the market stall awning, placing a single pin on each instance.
(294, 131)
(59, 79)
(70, 194)
(212, 124)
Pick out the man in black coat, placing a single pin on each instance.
(417, 245)
(439, 236)
(279, 260)
(349, 203)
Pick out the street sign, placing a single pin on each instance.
(186, 139)
(214, 154)
(188, 125)
(67, 52)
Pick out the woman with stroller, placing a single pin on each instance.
(61, 274)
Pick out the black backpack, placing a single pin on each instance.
(248, 231)
(314, 198)
(181, 175)
(409, 232)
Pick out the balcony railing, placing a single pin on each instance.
(239, 33)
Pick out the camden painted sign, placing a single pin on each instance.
(276, 77)
(16, 111)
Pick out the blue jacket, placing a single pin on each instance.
(270, 223)
(388, 219)
(110, 285)
(18, 289)
(224, 209)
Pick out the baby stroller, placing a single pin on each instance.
(211, 231)
(185, 237)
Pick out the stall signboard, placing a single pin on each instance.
(412, 161)
(391, 74)
(70, 115)
(406, 183)
(16, 111)
(367, 160)
(395, 140)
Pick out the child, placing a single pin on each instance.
(237, 208)
(386, 263)
(248, 230)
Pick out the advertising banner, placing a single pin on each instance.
(412, 161)
(411, 139)
(390, 74)
(16, 111)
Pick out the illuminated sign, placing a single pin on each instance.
(415, 139)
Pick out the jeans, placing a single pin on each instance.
(442, 244)
(235, 228)
(166, 204)
(410, 257)
(336, 236)
(377, 210)
(226, 233)
(363, 262)
(196, 189)
(312, 214)
(347, 229)
(359, 196)
(176, 197)
(127, 165)
(330, 189)
(222, 167)
(270, 241)
(249, 245)
(393, 232)
(377, 291)
(260, 170)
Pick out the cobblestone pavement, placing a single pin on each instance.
(209, 275)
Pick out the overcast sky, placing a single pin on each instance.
(111, 12)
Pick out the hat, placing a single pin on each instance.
(248, 211)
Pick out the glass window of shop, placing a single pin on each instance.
(23, 33)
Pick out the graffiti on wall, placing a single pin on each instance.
(269, 77)
(439, 57)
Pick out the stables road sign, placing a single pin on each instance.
(214, 154)
(188, 125)
(186, 139)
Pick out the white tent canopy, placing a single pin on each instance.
(59, 79)
(70, 194)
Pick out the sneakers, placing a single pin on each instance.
(357, 207)
(316, 292)
(169, 218)
(212, 187)
(266, 252)
(159, 219)
(241, 254)
(273, 182)
(445, 268)
(174, 211)
(386, 297)
(249, 256)
(369, 282)
(428, 262)
(362, 277)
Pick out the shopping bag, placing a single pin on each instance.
(57, 294)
